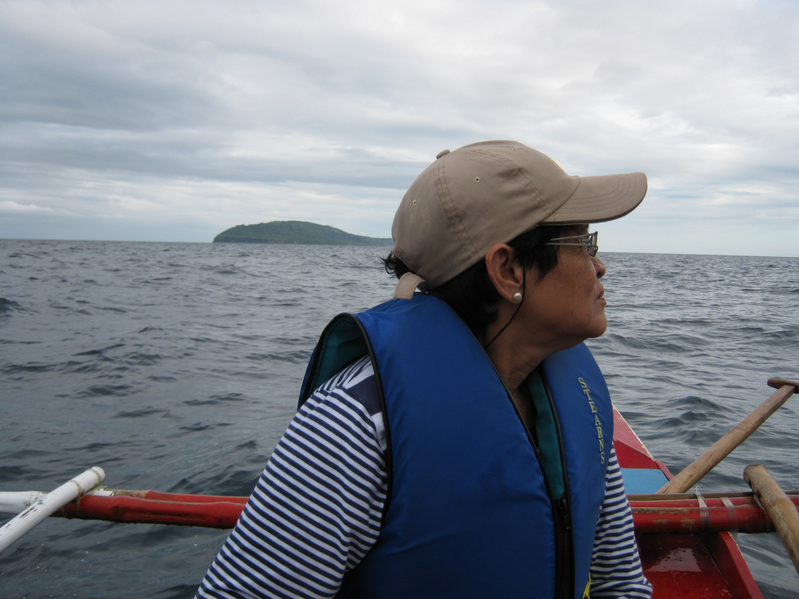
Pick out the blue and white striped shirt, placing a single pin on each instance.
(317, 507)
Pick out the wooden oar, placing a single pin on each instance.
(722, 448)
(778, 506)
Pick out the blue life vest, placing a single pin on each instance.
(468, 512)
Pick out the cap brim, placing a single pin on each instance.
(601, 198)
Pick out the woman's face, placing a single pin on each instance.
(567, 305)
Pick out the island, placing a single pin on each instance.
(295, 231)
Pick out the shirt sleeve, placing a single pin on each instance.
(316, 509)
(616, 565)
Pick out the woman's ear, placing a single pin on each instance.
(506, 274)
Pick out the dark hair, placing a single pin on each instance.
(472, 294)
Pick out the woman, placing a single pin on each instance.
(457, 442)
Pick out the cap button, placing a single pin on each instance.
(441, 154)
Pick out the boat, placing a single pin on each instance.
(685, 541)
(680, 565)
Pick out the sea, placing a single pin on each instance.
(176, 367)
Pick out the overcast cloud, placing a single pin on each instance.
(174, 120)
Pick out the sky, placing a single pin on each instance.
(175, 120)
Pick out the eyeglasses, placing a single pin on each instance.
(587, 241)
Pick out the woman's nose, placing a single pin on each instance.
(600, 267)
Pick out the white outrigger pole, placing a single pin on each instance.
(41, 506)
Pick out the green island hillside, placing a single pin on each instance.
(295, 231)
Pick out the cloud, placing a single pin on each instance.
(214, 114)
(11, 207)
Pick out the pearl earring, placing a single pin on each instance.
(517, 297)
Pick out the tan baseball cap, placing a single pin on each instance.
(491, 192)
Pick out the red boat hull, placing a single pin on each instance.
(682, 565)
